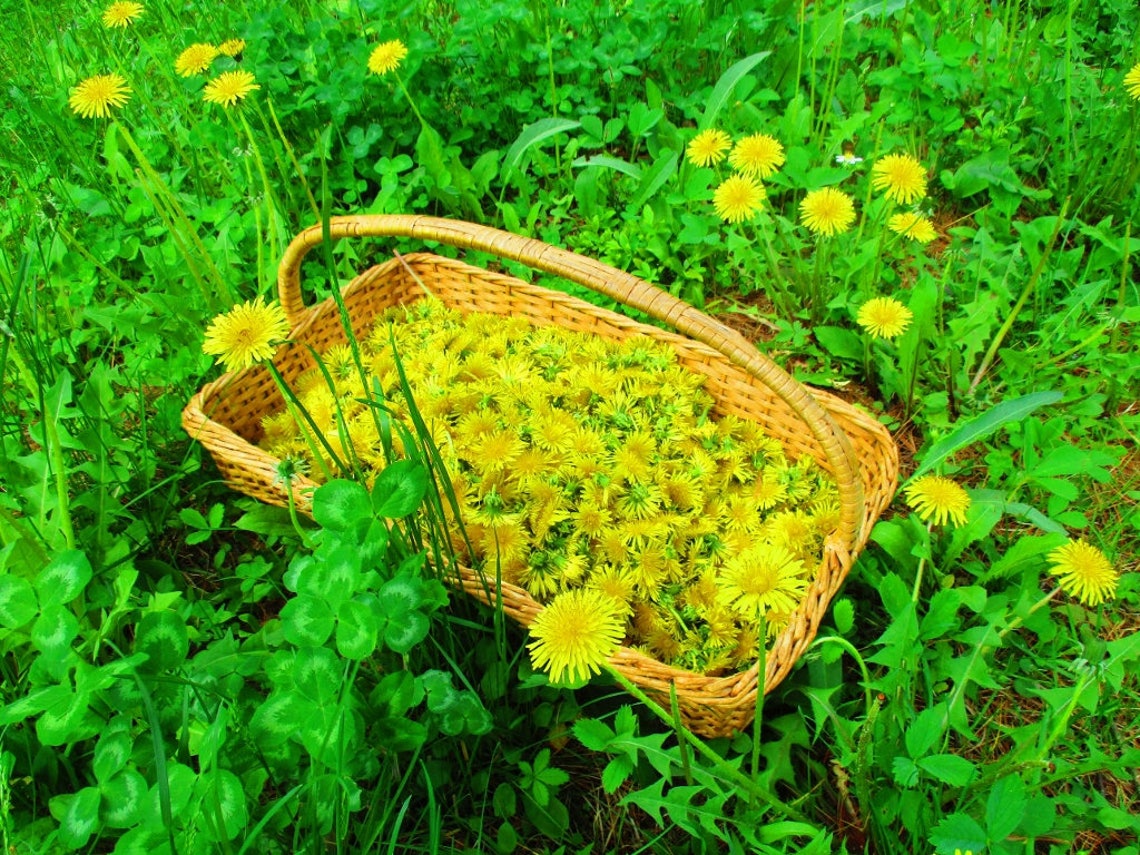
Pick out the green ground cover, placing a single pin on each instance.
(180, 670)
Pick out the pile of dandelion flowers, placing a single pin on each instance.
(1084, 572)
(757, 156)
(247, 334)
(195, 59)
(708, 148)
(900, 177)
(1132, 82)
(121, 14)
(884, 317)
(387, 56)
(913, 226)
(936, 499)
(738, 198)
(827, 211)
(95, 96)
(229, 87)
(575, 634)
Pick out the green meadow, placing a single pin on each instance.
(923, 208)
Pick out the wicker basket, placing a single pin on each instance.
(854, 448)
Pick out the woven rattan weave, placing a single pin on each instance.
(853, 447)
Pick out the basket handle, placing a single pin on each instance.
(621, 286)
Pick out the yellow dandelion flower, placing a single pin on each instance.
(914, 226)
(738, 198)
(195, 59)
(121, 14)
(231, 47)
(938, 498)
(757, 156)
(1132, 82)
(884, 317)
(1085, 572)
(246, 334)
(764, 578)
(827, 211)
(228, 88)
(576, 632)
(592, 520)
(387, 57)
(768, 491)
(615, 583)
(900, 177)
(95, 96)
(709, 147)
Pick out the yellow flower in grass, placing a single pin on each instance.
(763, 578)
(900, 176)
(914, 226)
(1084, 572)
(246, 334)
(228, 88)
(827, 211)
(121, 14)
(231, 47)
(757, 156)
(1132, 82)
(574, 635)
(709, 147)
(738, 198)
(884, 317)
(195, 59)
(938, 499)
(387, 57)
(95, 96)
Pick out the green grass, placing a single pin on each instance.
(161, 684)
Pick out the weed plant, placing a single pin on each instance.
(183, 669)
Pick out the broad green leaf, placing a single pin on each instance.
(17, 601)
(843, 613)
(958, 831)
(724, 88)
(397, 733)
(333, 577)
(112, 752)
(985, 512)
(614, 163)
(223, 805)
(317, 674)
(949, 769)
(983, 425)
(1005, 807)
(123, 799)
(652, 180)
(78, 816)
(356, 630)
(1026, 550)
(278, 718)
(941, 615)
(532, 135)
(54, 631)
(402, 634)
(592, 733)
(616, 773)
(839, 342)
(399, 489)
(398, 692)
(66, 720)
(163, 637)
(64, 578)
(33, 703)
(307, 621)
(904, 771)
(342, 506)
(924, 732)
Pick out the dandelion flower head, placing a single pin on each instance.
(245, 334)
(1084, 572)
(195, 59)
(387, 57)
(763, 578)
(575, 633)
(95, 96)
(121, 13)
(231, 47)
(914, 226)
(738, 198)
(827, 211)
(229, 87)
(939, 499)
(708, 148)
(884, 317)
(757, 156)
(900, 176)
(1132, 82)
